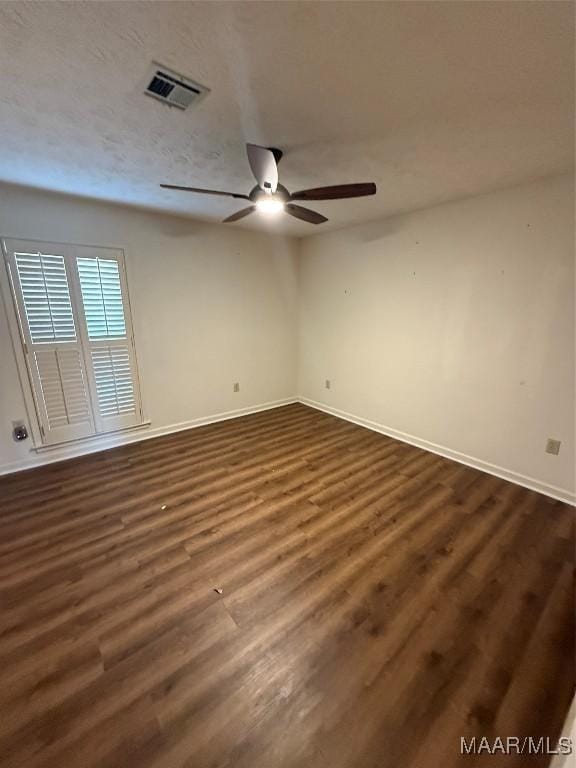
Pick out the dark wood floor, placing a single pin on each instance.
(378, 603)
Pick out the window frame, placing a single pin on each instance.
(19, 333)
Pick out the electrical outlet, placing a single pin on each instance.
(236, 386)
(327, 384)
(553, 446)
(19, 431)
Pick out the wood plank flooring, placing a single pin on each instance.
(378, 603)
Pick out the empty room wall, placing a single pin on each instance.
(452, 327)
(211, 306)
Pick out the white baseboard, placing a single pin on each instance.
(561, 494)
(94, 445)
(60, 453)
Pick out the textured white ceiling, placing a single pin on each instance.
(431, 100)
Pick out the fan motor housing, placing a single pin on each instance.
(281, 194)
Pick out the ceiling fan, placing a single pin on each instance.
(268, 196)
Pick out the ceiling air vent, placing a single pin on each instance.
(173, 89)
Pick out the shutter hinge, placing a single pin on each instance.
(25, 348)
(42, 431)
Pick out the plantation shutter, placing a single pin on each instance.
(108, 337)
(73, 311)
(51, 342)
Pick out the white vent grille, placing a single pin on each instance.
(173, 89)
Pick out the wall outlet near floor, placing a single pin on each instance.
(327, 383)
(19, 431)
(236, 386)
(553, 446)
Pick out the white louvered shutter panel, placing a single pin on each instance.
(108, 338)
(52, 345)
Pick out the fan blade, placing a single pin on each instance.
(240, 214)
(312, 217)
(337, 192)
(263, 166)
(205, 191)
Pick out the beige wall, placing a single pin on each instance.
(453, 325)
(211, 306)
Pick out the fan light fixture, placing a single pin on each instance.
(271, 198)
(270, 206)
